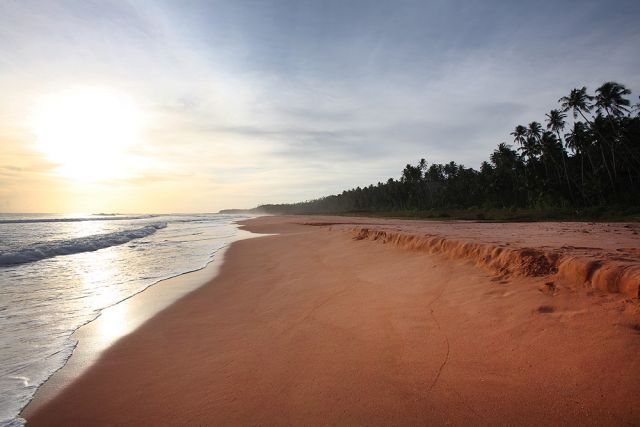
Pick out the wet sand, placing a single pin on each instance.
(330, 324)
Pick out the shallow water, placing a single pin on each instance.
(57, 273)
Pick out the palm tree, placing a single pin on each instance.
(578, 101)
(506, 180)
(556, 123)
(577, 140)
(520, 137)
(534, 131)
(519, 134)
(527, 147)
(552, 149)
(503, 156)
(531, 146)
(527, 138)
(610, 98)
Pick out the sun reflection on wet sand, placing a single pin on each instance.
(97, 272)
(113, 323)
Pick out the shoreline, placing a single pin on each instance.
(123, 318)
(297, 326)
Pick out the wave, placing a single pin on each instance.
(73, 246)
(80, 219)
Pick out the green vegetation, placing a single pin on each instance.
(586, 169)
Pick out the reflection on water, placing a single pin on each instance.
(43, 302)
(88, 228)
(97, 272)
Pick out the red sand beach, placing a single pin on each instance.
(359, 321)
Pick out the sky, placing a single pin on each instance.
(231, 104)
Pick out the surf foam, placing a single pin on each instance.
(42, 251)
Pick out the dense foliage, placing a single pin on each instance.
(592, 159)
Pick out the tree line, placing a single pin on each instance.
(585, 154)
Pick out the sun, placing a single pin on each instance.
(88, 132)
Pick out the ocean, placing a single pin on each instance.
(58, 271)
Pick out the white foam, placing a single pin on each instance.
(41, 251)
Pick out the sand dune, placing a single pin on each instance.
(323, 324)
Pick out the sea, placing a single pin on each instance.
(57, 272)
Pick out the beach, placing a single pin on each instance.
(336, 320)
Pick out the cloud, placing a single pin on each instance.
(250, 102)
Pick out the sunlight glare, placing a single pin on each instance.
(113, 322)
(88, 131)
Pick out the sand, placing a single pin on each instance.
(375, 322)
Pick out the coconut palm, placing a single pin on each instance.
(503, 156)
(531, 145)
(578, 140)
(519, 134)
(610, 98)
(534, 131)
(505, 161)
(578, 101)
(553, 156)
(556, 123)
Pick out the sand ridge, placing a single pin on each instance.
(599, 272)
